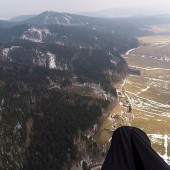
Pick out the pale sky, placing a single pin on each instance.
(12, 8)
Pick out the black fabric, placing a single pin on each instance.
(131, 150)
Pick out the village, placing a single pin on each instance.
(123, 111)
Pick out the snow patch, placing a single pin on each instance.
(41, 59)
(52, 64)
(56, 19)
(68, 16)
(164, 141)
(128, 52)
(35, 34)
(6, 51)
(143, 90)
(67, 20)
(60, 43)
(96, 88)
(48, 60)
(162, 58)
(17, 127)
(113, 62)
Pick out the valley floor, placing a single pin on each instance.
(145, 96)
(149, 92)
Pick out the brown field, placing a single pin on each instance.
(158, 39)
(161, 29)
(150, 92)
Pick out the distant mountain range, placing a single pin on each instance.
(134, 11)
(49, 18)
(46, 18)
(45, 27)
(107, 16)
(21, 18)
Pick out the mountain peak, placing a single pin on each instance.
(49, 12)
(51, 17)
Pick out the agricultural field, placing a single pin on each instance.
(149, 92)
(161, 29)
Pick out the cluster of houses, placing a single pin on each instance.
(125, 114)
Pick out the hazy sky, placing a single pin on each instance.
(11, 8)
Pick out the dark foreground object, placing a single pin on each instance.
(131, 150)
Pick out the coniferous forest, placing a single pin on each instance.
(54, 79)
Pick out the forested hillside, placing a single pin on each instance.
(56, 81)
